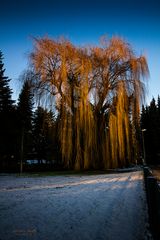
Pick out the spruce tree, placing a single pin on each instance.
(25, 106)
(43, 134)
(24, 111)
(6, 102)
(158, 105)
(7, 119)
(150, 119)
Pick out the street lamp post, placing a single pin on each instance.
(21, 150)
(144, 151)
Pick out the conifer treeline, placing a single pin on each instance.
(150, 121)
(24, 133)
(7, 112)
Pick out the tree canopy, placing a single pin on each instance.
(150, 119)
(97, 92)
(7, 112)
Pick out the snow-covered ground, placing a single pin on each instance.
(97, 207)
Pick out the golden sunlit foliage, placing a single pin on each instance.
(97, 93)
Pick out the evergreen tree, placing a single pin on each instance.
(152, 134)
(158, 105)
(6, 102)
(7, 119)
(43, 134)
(24, 110)
(25, 106)
(150, 120)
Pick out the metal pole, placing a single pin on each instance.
(22, 146)
(144, 151)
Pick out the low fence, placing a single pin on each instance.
(153, 199)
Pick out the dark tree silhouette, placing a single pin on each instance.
(150, 120)
(24, 111)
(25, 105)
(6, 102)
(43, 135)
(7, 117)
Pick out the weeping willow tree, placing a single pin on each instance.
(97, 92)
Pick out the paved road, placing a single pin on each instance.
(99, 207)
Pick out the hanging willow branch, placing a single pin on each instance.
(97, 93)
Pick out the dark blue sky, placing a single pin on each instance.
(83, 22)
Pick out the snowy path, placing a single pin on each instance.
(99, 207)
